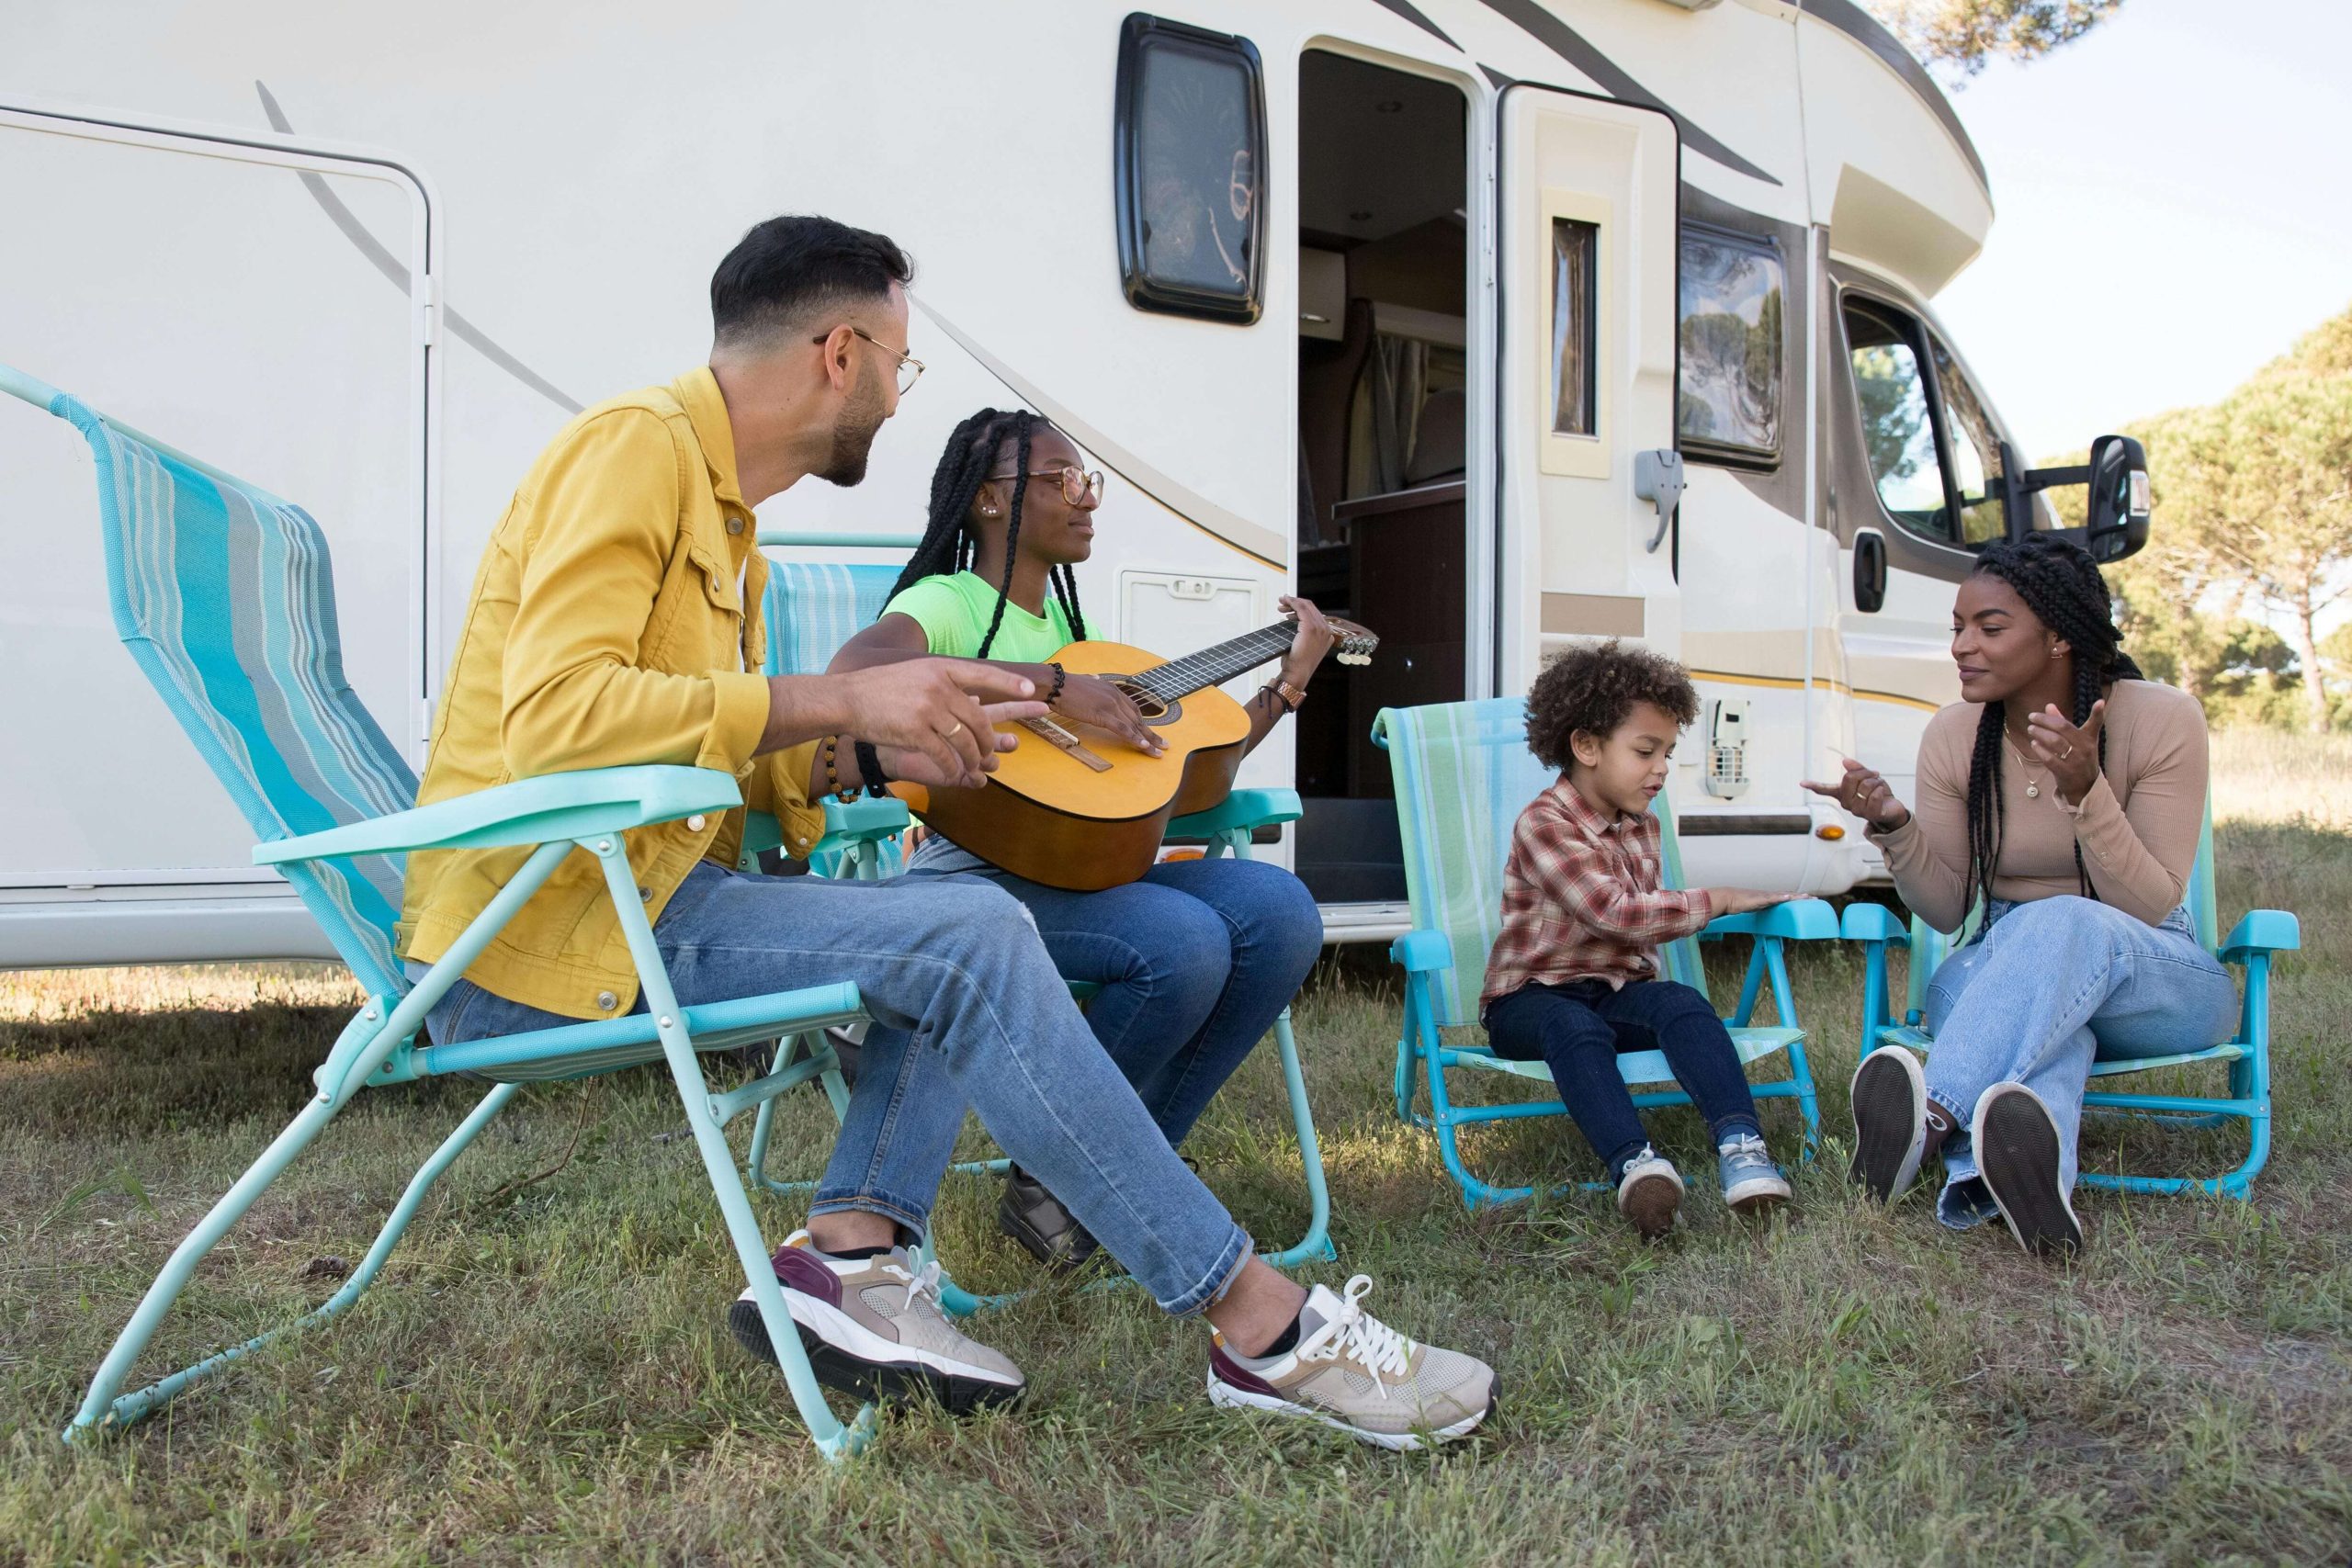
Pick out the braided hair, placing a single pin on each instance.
(949, 540)
(2062, 585)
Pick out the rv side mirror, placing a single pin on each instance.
(2116, 519)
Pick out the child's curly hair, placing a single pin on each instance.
(1593, 687)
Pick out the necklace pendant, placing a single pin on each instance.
(2032, 791)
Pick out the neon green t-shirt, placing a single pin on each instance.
(955, 612)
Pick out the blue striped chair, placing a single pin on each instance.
(2247, 1054)
(812, 606)
(224, 595)
(1462, 774)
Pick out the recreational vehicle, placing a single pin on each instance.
(1490, 323)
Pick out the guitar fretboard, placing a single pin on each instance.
(1214, 666)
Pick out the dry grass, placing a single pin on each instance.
(2262, 774)
(545, 1376)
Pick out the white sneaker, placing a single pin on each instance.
(873, 1328)
(1351, 1370)
(2017, 1154)
(1649, 1192)
(1890, 1100)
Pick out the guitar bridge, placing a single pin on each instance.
(1053, 735)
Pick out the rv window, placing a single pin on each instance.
(1576, 255)
(1191, 128)
(1730, 334)
(1898, 428)
(1976, 456)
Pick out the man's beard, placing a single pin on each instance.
(854, 434)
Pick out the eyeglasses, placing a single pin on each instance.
(1078, 485)
(910, 367)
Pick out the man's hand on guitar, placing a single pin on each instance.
(1314, 643)
(932, 721)
(1090, 699)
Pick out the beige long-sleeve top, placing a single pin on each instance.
(2138, 825)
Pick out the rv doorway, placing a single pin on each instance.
(1383, 261)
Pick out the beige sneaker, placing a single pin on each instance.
(1353, 1371)
(873, 1328)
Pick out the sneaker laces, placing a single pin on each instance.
(921, 1273)
(1359, 1337)
(1743, 1146)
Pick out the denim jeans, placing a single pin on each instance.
(1195, 961)
(953, 968)
(2050, 986)
(1577, 1030)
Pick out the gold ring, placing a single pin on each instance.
(952, 730)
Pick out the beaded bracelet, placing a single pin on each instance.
(1061, 676)
(832, 776)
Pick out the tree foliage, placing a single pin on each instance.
(1964, 34)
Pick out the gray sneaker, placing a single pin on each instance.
(1351, 1370)
(1752, 1183)
(873, 1328)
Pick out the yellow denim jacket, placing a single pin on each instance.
(616, 620)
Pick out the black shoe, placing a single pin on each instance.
(1890, 1100)
(2018, 1154)
(1035, 1218)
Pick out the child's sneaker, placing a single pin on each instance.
(1890, 1097)
(1752, 1183)
(2017, 1154)
(1649, 1192)
(873, 1328)
(1351, 1370)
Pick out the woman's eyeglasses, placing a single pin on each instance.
(910, 367)
(1078, 485)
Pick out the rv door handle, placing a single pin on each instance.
(1869, 569)
(1658, 479)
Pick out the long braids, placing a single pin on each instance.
(950, 543)
(2062, 585)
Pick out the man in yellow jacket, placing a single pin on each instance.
(616, 620)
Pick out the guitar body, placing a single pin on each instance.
(1075, 807)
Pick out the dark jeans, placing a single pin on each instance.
(1577, 1030)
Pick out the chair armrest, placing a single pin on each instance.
(1422, 951)
(1241, 811)
(1799, 919)
(2263, 930)
(529, 811)
(863, 821)
(1873, 922)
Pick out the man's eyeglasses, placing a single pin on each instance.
(1078, 485)
(910, 367)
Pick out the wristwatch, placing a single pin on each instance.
(1291, 695)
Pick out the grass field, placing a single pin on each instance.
(543, 1373)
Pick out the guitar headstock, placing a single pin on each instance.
(1355, 643)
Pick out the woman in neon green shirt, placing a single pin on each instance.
(1196, 959)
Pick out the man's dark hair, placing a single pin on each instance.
(788, 271)
(1593, 687)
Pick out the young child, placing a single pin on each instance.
(1574, 977)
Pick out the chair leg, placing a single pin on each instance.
(834, 1439)
(103, 1410)
(1808, 1107)
(1317, 1243)
(2235, 1183)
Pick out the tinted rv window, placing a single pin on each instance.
(1975, 455)
(1898, 425)
(1190, 128)
(1576, 255)
(1730, 334)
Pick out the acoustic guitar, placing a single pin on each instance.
(1074, 806)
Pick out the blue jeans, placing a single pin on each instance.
(2050, 986)
(1577, 1030)
(953, 969)
(1195, 961)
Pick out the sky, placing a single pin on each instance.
(2173, 208)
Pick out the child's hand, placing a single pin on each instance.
(1743, 900)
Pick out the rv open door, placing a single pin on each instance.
(1588, 196)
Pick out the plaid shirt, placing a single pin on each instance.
(1581, 899)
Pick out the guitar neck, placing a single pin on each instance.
(1214, 666)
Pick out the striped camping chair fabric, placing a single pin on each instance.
(813, 607)
(1463, 774)
(225, 596)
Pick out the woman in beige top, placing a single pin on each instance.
(2067, 794)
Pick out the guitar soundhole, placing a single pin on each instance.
(1155, 710)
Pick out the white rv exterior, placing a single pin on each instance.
(373, 260)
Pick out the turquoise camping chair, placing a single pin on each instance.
(1463, 772)
(2249, 946)
(224, 595)
(811, 607)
